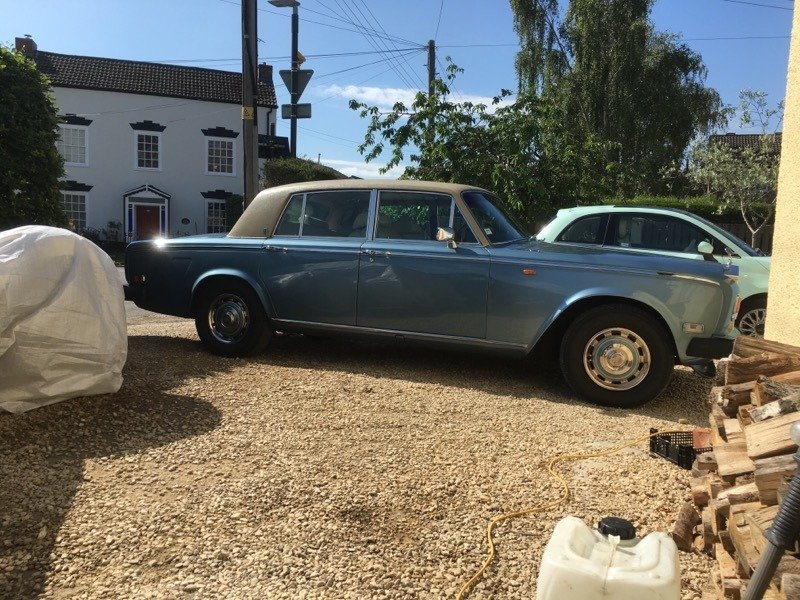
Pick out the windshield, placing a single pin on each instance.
(727, 235)
(495, 222)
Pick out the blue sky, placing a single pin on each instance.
(478, 35)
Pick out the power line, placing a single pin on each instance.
(281, 14)
(374, 62)
(378, 23)
(345, 8)
(439, 20)
(330, 55)
(758, 4)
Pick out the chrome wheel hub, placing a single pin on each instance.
(752, 322)
(616, 359)
(228, 318)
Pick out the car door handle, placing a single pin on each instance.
(374, 253)
(275, 249)
(368, 252)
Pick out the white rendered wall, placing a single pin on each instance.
(111, 168)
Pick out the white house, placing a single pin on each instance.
(154, 147)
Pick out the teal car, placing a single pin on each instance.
(439, 264)
(669, 232)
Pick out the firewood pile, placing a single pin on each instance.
(737, 487)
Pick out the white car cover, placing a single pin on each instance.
(62, 319)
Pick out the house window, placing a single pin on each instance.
(72, 145)
(148, 151)
(219, 157)
(216, 219)
(75, 209)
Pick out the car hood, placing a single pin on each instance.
(602, 257)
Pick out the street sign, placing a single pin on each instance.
(303, 111)
(303, 77)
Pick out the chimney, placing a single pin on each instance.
(264, 73)
(25, 45)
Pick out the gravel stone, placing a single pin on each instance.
(319, 469)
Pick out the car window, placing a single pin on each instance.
(326, 214)
(586, 230)
(657, 232)
(290, 221)
(497, 224)
(414, 215)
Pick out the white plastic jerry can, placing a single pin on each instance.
(580, 563)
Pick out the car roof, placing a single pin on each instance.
(603, 208)
(266, 208)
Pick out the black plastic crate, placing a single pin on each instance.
(675, 447)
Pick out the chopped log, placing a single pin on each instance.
(788, 565)
(770, 389)
(729, 397)
(769, 474)
(705, 462)
(746, 347)
(725, 562)
(699, 544)
(716, 485)
(682, 533)
(792, 378)
(732, 458)
(721, 508)
(707, 527)
(790, 586)
(744, 414)
(732, 589)
(765, 363)
(770, 410)
(746, 552)
(725, 539)
(770, 437)
(759, 521)
(733, 430)
(740, 494)
(701, 492)
(746, 478)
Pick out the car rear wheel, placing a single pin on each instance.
(230, 319)
(752, 317)
(617, 355)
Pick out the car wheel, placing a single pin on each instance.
(230, 319)
(752, 317)
(617, 355)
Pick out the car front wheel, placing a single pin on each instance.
(617, 355)
(752, 317)
(230, 319)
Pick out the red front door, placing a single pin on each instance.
(147, 225)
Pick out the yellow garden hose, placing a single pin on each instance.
(495, 521)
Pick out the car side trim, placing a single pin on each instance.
(394, 333)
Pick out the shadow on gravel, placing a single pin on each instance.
(42, 452)
(684, 397)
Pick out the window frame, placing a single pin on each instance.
(613, 224)
(157, 134)
(605, 219)
(85, 195)
(85, 129)
(232, 141)
(224, 205)
(453, 207)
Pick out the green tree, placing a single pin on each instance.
(29, 178)
(745, 178)
(617, 82)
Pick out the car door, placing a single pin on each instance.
(410, 282)
(309, 267)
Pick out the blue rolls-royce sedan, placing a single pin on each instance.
(443, 264)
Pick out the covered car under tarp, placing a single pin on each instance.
(62, 319)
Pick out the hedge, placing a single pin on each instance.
(281, 171)
(705, 206)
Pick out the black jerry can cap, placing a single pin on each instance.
(617, 526)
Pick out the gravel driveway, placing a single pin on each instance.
(321, 469)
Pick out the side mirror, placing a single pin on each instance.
(447, 234)
(705, 247)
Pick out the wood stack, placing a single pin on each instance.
(737, 487)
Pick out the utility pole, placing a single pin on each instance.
(431, 79)
(249, 95)
(295, 67)
(431, 65)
